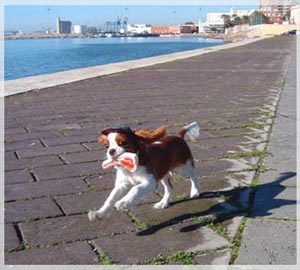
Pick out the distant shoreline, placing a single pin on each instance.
(63, 36)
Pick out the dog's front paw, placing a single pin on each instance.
(161, 205)
(195, 195)
(121, 205)
(93, 215)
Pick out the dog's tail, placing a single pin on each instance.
(192, 131)
(149, 135)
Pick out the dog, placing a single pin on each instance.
(158, 156)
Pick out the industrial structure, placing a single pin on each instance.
(139, 28)
(79, 29)
(63, 27)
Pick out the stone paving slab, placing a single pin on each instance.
(30, 136)
(54, 141)
(216, 258)
(19, 164)
(75, 253)
(82, 203)
(10, 156)
(103, 181)
(11, 238)
(73, 228)
(49, 151)
(31, 145)
(45, 188)
(273, 201)
(19, 176)
(273, 244)
(180, 210)
(86, 156)
(68, 170)
(190, 236)
(63, 165)
(278, 176)
(32, 209)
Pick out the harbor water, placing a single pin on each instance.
(31, 57)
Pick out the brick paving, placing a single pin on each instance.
(53, 175)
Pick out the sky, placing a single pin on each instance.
(30, 18)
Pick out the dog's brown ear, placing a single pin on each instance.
(149, 135)
(103, 140)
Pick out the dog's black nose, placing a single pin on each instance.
(112, 151)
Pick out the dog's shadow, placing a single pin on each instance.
(232, 195)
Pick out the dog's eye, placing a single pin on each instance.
(106, 145)
(122, 143)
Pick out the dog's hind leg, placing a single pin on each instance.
(164, 202)
(190, 170)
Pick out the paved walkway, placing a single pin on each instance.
(53, 175)
(270, 232)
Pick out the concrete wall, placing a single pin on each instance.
(241, 32)
(273, 29)
(295, 14)
(245, 31)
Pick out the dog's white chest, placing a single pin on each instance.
(133, 178)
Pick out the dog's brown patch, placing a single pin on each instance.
(149, 135)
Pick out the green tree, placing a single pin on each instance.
(264, 18)
(246, 19)
(189, 23)
(227, 20)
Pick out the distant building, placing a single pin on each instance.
(295, 15)
(63, 27)
(240, 12)
(188, 29)
(276, 10)
(201, 28)
(139, 28)
(166, 30)
(79, 29)
(214, 19)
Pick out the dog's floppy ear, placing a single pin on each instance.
(149, 135)
(103, 140)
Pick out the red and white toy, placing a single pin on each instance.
(127, 160)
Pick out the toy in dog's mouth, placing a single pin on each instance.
(127, 160)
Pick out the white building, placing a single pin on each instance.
(240, 12)
(139, 28)
(201, 27)
(79, 29)
(295, 15)
(215, 18)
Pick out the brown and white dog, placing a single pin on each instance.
(158, 157)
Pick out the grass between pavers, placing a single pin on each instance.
(139, 224)
(259, 168)
(104, 259)
(248, 125)
(181, 257)
(239, 155)
(237, 241)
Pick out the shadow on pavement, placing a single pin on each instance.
(231, 196)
